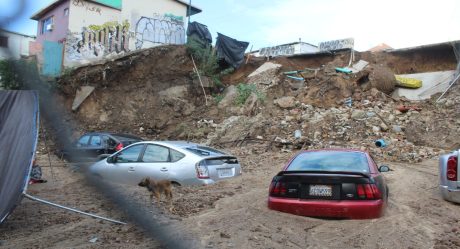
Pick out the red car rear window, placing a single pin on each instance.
(330, 161)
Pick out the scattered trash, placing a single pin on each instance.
(348, 102)
(380, 143)
(93, 240)
(295, 78)
(297, 134)
(408, 82)
(343, 70)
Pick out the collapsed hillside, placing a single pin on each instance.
(153, 94)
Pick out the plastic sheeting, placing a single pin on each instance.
(200, 31)
(18, 140)
(231, 50)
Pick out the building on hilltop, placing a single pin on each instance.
(14, 45)
(76, 32)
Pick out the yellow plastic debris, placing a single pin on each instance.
(408, 82)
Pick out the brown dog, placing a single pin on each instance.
(156, 188)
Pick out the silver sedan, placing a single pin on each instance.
(181, 162)
(449, 176)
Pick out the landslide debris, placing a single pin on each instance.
(153, 94)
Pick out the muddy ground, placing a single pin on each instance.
(231, 214)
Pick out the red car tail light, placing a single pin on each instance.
(278, 188)
(202, 171)
(368, 191)
(452, 168)
(119, 147)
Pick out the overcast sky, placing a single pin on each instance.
(398, 23)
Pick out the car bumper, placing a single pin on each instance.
(359, 209)
(449, 194)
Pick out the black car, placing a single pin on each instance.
(95, 146)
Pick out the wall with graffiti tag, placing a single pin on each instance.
(337, 44)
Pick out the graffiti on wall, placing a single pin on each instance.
(96, 41)
(281, 50)
(88, 6)
(337, 44)
(166, 29)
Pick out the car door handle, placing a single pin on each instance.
(131, 169)
(164, 169)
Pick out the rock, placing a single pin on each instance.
(316, 135)
(225, 235)
(230, 94)
(358, 114)
(396, 128)
(289, 118)
(384, 127)
(375, 128)
(251, 104)
(391, 118)
(370, 114)
(280, 140)
(285, 102)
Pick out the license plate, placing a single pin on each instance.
(320, 190)
(225, 172)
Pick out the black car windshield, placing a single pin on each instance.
(330, 161)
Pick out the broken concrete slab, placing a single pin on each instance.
(358, 66)
(81, 95)
(433, 82)
(265, 67)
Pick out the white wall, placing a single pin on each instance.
(149, 25)
(17, 45)
(84, 13)
(147, 22)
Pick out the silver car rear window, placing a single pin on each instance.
(204, 151)
(330, 161)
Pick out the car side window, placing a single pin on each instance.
(176, 155)
(95, 141)
(155, 153)
(83, 141)
(130, 154)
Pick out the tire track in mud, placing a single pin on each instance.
(416, 217)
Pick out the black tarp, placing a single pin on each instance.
(18, 140)
(200, 31)
(231, 50)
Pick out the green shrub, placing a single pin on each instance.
(206, 60)
(245, 90)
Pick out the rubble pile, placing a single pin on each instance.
(369, 115)
(318, 104)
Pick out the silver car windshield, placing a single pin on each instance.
(330, 161)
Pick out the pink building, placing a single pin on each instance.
(75, 32)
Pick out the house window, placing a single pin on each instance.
(66, 11)
(3, 41)
(47, 25)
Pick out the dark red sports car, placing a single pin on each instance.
(340, 183)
